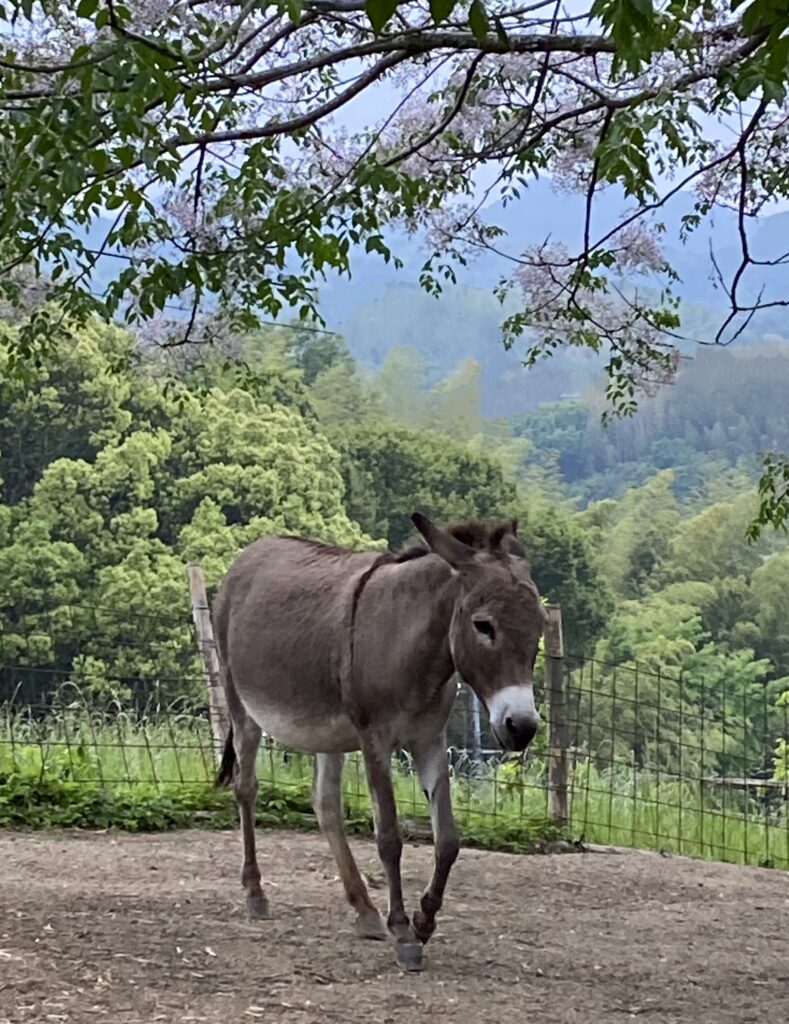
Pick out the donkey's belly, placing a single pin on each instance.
(328, 733)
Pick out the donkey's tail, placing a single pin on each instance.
(225, 774)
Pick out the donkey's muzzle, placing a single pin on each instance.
(519, 731)
(514, 717)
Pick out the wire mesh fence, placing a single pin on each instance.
(115, 703)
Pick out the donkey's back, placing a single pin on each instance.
(280, 622)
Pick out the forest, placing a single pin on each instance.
(119, 462)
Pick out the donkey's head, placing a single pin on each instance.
(496, 623)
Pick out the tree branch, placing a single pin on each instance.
(295, 124)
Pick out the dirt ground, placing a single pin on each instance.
(150, 928)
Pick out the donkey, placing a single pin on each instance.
(331, 651)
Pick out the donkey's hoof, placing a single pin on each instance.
(371, 926)
(423, 928)
(258, 908)
(410, 956)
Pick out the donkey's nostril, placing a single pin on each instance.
(520, 731)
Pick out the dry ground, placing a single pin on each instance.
(149, 928)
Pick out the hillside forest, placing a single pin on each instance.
(119, 462)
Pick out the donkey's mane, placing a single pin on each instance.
(474, 532)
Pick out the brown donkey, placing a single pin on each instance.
(331, 651)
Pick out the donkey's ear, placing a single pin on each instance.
(505, 539)
(508, 529)
(441, 543)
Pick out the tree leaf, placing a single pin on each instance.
(478, 20)
(441, 9)
(501, 32)
(379, 12)
(644, 7)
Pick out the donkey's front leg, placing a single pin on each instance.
(378, 765)
(430, 760)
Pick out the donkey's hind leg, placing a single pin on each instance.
(327, 800)
(238, 767)
(246, 740)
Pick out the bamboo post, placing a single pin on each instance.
(476, 726)
(558, 713)
(206, 645)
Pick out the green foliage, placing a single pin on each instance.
(133, 471)
(317, 352)
(390, 471)
(634, 27)
(266, 364)
(126, 481)
(500, 806)
(666, 696)
(557, 431)
(400, 383)
(566, 572)
(450, 405)
(773, 494)
(87, 770)
(767, 70)
(693, 653)
(771, 610)
(380, 11)
(714, 543)
(259, 468)
(69, 408)
(707, 426)
(781, 759)
(340, 396)
(633, 535)
(730, 608)
(453, 403)
(33, 802)
(626, 807)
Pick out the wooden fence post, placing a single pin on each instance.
(476, 726)
(206, 645)
(558, 711)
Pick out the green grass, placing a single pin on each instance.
(98, 771)
(685, 817)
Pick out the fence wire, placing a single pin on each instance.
(117, 701)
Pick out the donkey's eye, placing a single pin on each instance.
(485, 627)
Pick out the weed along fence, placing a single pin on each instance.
(113, 717)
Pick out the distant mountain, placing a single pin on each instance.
(543, 214)
(380, 307)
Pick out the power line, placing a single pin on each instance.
(267, 323)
